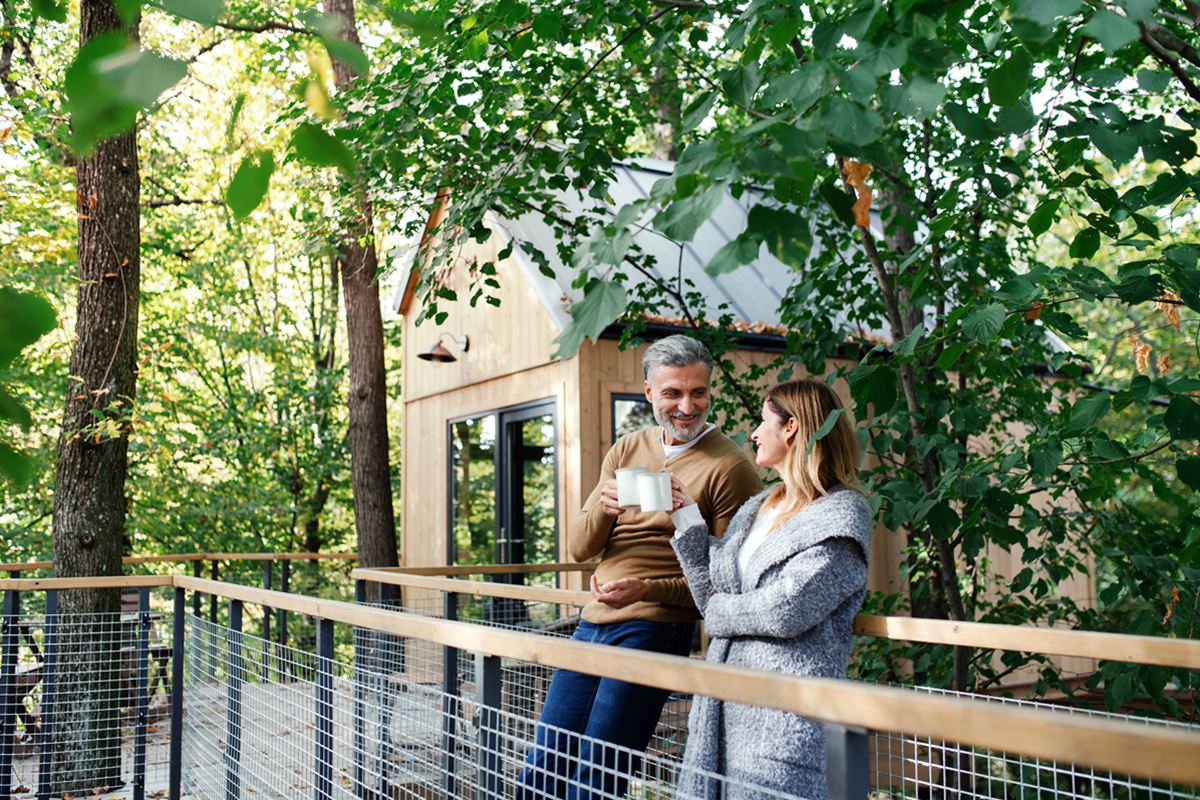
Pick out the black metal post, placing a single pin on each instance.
(846, 762)
(488, 677)
(233, 716)
(197, 571)
(360, 643)
(142, 696)
(450, 703)
(214, 573)
(49, 694)
(266, 624)
(8, 688)
(285, 572)
(323, 789)
(175, 785)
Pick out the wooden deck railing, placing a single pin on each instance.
(1152, 650)
(18, 567)
(1166, 753)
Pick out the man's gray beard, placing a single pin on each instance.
(683, 437)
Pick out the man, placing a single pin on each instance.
(641, 598)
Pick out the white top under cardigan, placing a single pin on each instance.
(688, 516)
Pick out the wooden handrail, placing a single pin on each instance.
(99, 582)
(493, 569)
(541, 594)
(1158, 753)
(175, 558)
(1155, 650)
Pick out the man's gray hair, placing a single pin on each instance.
(675, 351)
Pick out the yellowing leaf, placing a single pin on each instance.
(1141, 353)
(1168, 303)
(856, 174)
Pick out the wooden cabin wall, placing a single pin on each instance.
(508, 363)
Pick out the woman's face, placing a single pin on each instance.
(772, 438)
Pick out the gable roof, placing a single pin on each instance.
(751, 293)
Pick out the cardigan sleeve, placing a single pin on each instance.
(812, 585)
(693, 549)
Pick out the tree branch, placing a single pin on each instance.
(263, 27)
(1171, 63)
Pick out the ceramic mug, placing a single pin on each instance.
(627, 486)
(654, 490)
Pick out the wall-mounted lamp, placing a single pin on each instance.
(439, 353)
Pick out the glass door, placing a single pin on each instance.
(503, 494)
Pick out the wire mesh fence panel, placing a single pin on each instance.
(904, 766)
(87, 702)
(368, 714)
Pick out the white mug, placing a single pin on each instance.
(654, 489)
(627, 486)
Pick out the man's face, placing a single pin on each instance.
(679, 396)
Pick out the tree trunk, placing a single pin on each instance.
(369, 467)
(89, 496)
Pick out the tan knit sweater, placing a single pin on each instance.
(716, 473)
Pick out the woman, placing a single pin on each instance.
(778, 592)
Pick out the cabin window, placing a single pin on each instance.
(630, 412)
(503, 486)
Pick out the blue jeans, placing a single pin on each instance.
(561, 764)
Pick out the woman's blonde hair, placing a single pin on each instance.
(833, 459)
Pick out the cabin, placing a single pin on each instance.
(501, 443)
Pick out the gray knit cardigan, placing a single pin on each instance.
(791, 612)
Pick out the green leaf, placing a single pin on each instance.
(1183, 418)
(139, 76)
(18, 467)
(249, 184)
(850, 122)
(801, 87)
(347, 53)
(1188, 469)
(50, 9)
(1045, 12)
(1112, 30)
(1045, 457)
(1088, 411)
(698, 111)
(1085, 244)
(314, 145)
(602, 303)
(841, 203)
(1043, 216)
(919, 98)
(1152, 80)
(824, 430)
(11, 410)
(109, 82)
(205, 12)
(24, 318)
(950, 356)
(740, 83)
(1118, 147)
(786, 234)
(1008, 82)
(548, 25)
(682, 218)
(983, 324)
(733, 254)
(970, 124)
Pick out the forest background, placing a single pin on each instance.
(1021, 321)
